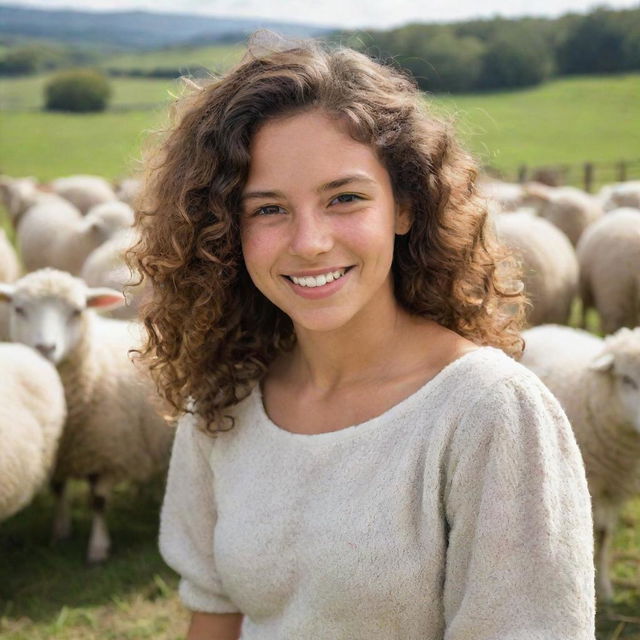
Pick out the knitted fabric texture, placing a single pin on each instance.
(461, 513)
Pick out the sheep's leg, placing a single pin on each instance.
(62, 512)
(604, 588)
(99, 541)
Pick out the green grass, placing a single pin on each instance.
(572, 120)
(49, 145)
(215, 58)
(26, 93)
(566, 121)
(49, 592)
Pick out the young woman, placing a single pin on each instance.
(358, 458)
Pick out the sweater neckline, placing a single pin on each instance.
(386, 417)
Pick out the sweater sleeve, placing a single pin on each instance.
(519, 560)
(187, 521)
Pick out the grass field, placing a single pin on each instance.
(214, 58)
(566, 121)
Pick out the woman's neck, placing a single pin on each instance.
(364, 350)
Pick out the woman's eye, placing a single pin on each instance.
(629, 381)
(269, 210)
(344, 198)
(20, 311)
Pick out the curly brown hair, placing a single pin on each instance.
(211, 334)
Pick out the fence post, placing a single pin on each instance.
(622, 171)
(522, 173)
(588, 176)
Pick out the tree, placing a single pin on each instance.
(515, 58)
(80, 90)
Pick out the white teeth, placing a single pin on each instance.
(318, 281)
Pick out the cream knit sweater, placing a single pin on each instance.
(462, 513)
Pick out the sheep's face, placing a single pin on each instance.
(48, 310)
(621, 361)
(51, 325)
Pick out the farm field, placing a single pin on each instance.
(214, 58)
(565, 121)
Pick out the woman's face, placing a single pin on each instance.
(318, 222)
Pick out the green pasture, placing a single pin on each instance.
(215, 58)
(565, 121)
(568, 121)
(26, 93)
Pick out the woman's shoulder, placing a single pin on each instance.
(483, 371)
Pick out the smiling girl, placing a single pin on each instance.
(359, 457)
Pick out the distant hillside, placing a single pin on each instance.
(135, 29)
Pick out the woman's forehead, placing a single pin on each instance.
(310, 148)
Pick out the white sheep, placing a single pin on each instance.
(502, 196)
(570, 209)
(113, 431)
(32, 415)
(9, 263)
(609, 258)
(106, 267)
(9, 271)
(598, 385)
(49, 237)
(84, 191)
(621, 194)
(549, 265)
(19, 195)
(129, 189)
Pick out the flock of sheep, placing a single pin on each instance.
(74, 405)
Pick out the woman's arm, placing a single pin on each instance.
(519, 559)
(214, 626)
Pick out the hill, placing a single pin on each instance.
(135, 29)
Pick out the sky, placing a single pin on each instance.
(343, 13)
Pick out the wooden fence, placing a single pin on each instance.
(589, 176)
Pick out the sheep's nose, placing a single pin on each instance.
(45, 349)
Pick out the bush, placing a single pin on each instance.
(82, 90)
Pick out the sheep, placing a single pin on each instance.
(19, 195)
(550, 267)
(106, 267)
(609, 259)
(48, 237)
(622, 194)
(570, 209)
(129, 189)
(9, 264)
(113, 431)
(502, 196)
(84, 192)
(9, 271)
(32, 415)
(598, 385)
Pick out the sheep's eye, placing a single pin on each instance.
(76, 313)
(629, 381)
(20, 311)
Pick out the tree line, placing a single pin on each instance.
(475, 55)
(501, 54)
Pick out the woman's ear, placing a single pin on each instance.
(404, 219)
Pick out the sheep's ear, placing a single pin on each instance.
(602, 362)
(6, 292)
(104, 299)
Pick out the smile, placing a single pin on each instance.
(319, 280)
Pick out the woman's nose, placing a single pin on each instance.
(311, 235)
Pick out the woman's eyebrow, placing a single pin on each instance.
(329, 186)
